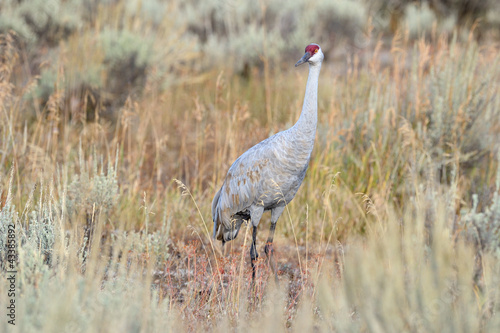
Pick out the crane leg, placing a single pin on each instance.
(253, 251)
(268, 249)
(223, 248)
(255, 216)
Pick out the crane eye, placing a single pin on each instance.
(316, 51)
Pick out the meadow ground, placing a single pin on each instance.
(108, 169)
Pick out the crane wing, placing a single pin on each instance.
(240, 190)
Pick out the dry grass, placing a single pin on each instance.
(376, 239)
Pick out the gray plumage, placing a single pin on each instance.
(268, 175)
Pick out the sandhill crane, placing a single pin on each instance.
(268, 175)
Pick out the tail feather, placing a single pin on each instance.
(216, 216)
(225, 230)
(228, 234)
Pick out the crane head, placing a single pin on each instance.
(313, 55)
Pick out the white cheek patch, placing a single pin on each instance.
(314, 57)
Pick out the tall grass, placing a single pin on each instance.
(395, 227)
(405, 274)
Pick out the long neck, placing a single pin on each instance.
(309, 116)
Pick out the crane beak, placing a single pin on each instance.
(303, 59)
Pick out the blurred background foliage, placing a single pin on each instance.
(104, 103)
(407, 84)
(111, 48)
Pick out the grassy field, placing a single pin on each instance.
(117, 128)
